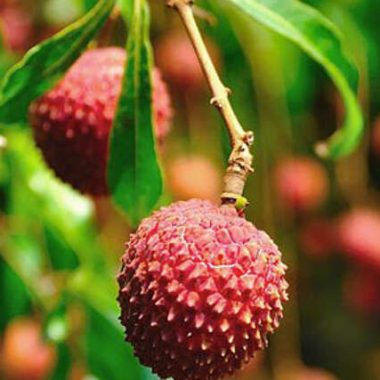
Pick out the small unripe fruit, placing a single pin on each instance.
(301, 183)
(24, 354)
(361, 291)
(72, 122)
(317, 238)
(200, 290)
(179, 63)
(358, 235)
(193, 177)
(16, 28)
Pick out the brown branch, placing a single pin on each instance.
(240, 160)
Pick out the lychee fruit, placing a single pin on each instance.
(200, 290)
(24, 354)
(179, 63)
(301, 183)
(361, 291)
(72, 122)
(317, 238)
(358, 237)
(193, 176)
(16, 28)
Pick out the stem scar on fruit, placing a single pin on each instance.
(240, 160)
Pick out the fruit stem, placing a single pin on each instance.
(240, 160)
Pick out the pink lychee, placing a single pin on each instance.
(16, 28)
(358, 237)
(179, 63)
(72, 122)
(361, 291)
(193, 176)
(301, 183)
(200, 290)
(24, 354)
(317, 238)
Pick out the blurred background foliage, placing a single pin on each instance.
(59, 250)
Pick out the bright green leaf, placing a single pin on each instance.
(321, 40)
(45, 63)
(133, 172)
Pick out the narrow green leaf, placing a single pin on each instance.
(321, 40)
(133, 172)
(115, 359)
(44, 64)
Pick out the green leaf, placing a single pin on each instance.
(14, 297)
(321, 40)
(126, 7)
(108, 356)
(45, 63)
(133, 172)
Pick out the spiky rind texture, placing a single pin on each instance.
(72, 122)
(200, 290)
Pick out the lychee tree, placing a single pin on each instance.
(200, 286)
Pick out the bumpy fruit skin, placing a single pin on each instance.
(193, 176)
(358, 236)
(200, 290)
(72, 122)
(301, 183)
(24, 355)
(176, 58)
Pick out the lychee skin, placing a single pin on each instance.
(24, 354)
(200, 290)
(358, 236)
(301, 183)
(72, 122)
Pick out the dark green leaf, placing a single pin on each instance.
(62, 369)
(14, 297)
(108, 356)
(133, 171)
(44, 64)
(61, 255)
(321, 40)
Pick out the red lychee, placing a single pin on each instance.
(317, 238)
(200, 290)
(301, 183)
(72, 122)
(24, 354)
(16, 28)
(358, 236)
(193, 176)
(179, 63)
(361, 291)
